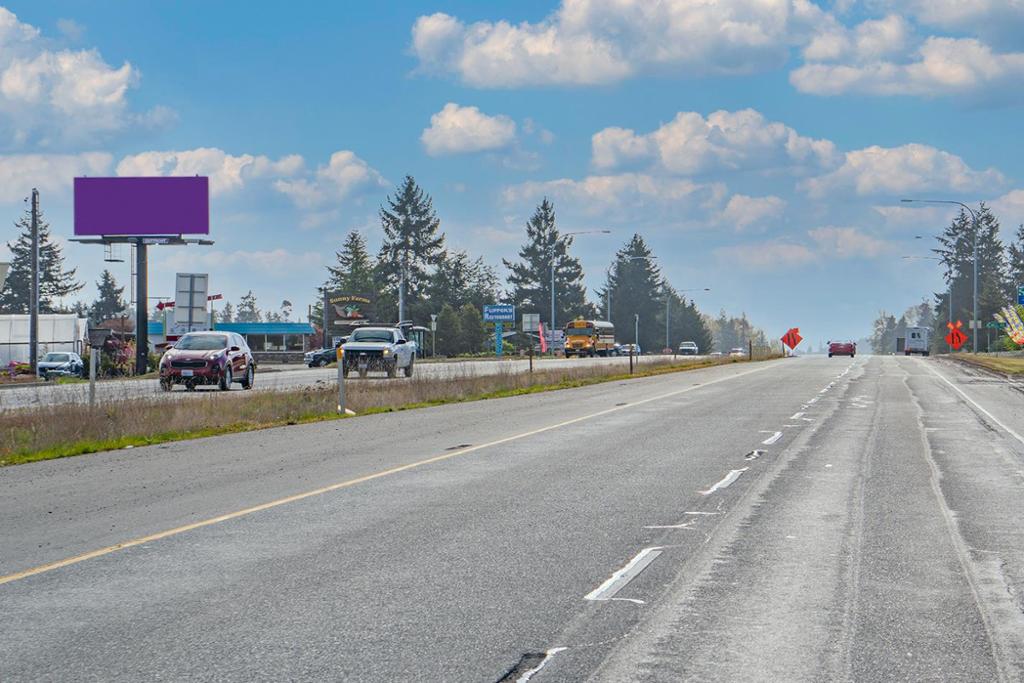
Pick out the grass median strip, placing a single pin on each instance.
(66, 430)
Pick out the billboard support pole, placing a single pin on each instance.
(33, 296)
(141, 312)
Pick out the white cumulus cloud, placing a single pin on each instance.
(457, 130)
(49, 173)
(845, 243)
(588, 42)
(939, 66)
(49, 97)
(742, 211)
(724, 141)
(900, 170)
(766, 255)
(227, 172)
(343, 176)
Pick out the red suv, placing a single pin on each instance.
(220, 358)
(842, 349)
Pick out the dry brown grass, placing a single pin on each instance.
(72, 429)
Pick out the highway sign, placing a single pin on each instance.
(1020, 294)
(955, 338)
(499, 313)
(995, 325)
(531, 322)
(792, 338)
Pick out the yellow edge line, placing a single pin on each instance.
(43, 568)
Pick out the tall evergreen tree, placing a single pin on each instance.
(686, 323)
(530, 277)
(473, 331)
(449, 332)
(636, 289)
(353, 272)
(54, 282)
(227, 314)
(413, 243)
(1015, 259)
(247, 311)
(956, 252)
(457, 281)
(110, 301)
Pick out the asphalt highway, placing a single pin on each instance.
(800, 520)
(283, 377)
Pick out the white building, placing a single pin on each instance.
(57, 332)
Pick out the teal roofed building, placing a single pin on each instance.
(270, 342)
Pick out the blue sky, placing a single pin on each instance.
(760, 147)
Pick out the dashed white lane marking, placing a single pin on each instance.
(684, 525)
(527, 675)
(729, 478)
(813, 401)
(701, 513)
(772, 439)
(621, 578)
(796, 416)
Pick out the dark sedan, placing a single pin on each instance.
(219, 358)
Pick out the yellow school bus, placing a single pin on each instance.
(589, 338)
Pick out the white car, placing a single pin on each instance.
(737, 352)
(689, 348)
(630, 348)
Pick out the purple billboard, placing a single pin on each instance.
(142, 206)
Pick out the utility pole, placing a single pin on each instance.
(33, 295)
(667, 300)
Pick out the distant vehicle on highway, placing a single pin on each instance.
(589, 338)
(918, 341)
(61, 364)
(198, 358)
(379, 349)
(627, 349)
(737, 352)
(689, 348)
(321, 357)
(847, 348)
(715, 354)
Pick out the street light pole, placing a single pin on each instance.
(974, 222)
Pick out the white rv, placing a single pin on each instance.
(918, 340)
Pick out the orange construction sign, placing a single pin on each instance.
(792, 338)
(955, 338)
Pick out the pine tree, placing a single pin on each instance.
(449, 331)
(54, 282)
(957, 255)
(248, 312)
(530, 278)
(353, 273)
(227, 314)
(686, 323)
(1015, 260)
(110, 301)
(474, 331)
(636, 289)
(411, 244)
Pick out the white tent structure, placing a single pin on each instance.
(57, 332)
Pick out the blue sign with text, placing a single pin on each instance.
(499, 313)
(1020, 294)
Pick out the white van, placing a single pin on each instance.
(918, 340)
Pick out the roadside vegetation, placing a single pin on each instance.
(1006, 365)
(59, 431)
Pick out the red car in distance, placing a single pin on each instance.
(848, 348)
(219, 358)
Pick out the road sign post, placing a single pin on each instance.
(1020, 295)
(955, 338)
(433, 335)
(499, 330)
(341, 380)
(531, 323)
(97, 337)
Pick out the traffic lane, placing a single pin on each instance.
(110, 391)
(451, 571)
(60, 508)
(981, 478)
(846, 570)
